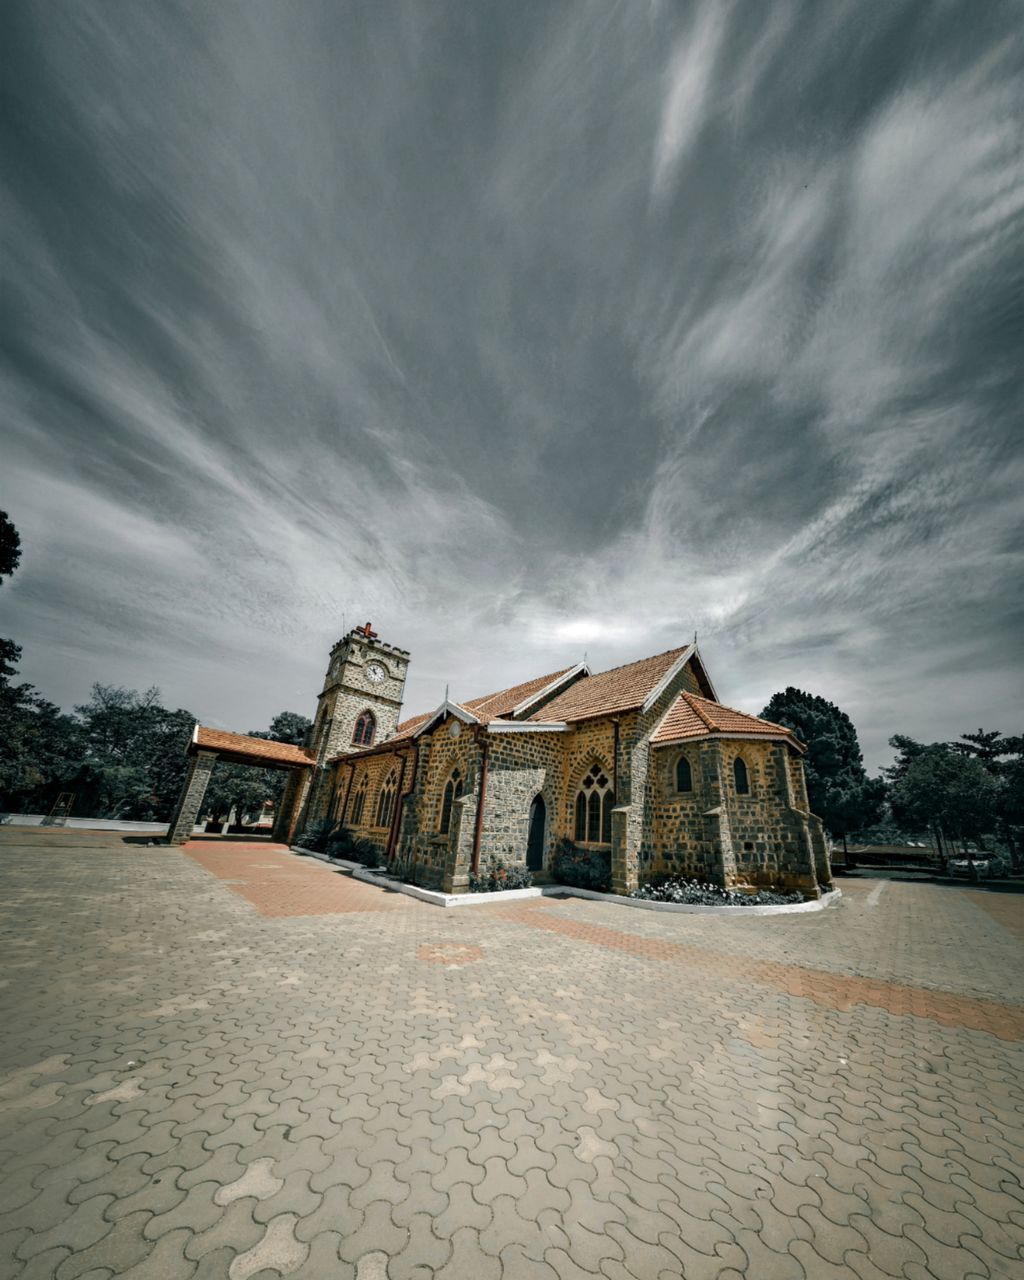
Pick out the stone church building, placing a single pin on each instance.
(642, 761)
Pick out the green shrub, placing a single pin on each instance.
(582, 868)
(344, 844)
(317, 835)
(500, 875)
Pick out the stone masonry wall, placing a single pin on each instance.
(638, 785)
(376, 770)
(768, 834)
(521, 766)
(430, 858)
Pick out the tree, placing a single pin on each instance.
(10, 547)
(839, 790)
(947, 791)
(134, 762)
(1003, 758)
(289, 726)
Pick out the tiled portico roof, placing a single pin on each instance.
(621, 689)
(693, 717)
(242, 749)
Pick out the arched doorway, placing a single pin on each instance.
(535, 840)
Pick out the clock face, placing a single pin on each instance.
(376, 672)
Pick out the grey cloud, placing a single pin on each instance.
(523, 330)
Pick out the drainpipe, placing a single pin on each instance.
(480, 800)
(615, 760)
(392, 834)
(348, 792)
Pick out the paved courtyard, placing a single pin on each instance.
(230, 1061)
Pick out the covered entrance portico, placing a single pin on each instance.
(210, 745)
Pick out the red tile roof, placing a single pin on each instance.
(410, 726)
(621, 689)
(693, 717)
(242, 748)
(491, 706)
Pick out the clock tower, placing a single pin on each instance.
(362, 694)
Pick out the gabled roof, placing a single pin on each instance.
(693, 717)
(495, 706)
(621, 689)
(240, 748)
(492, 706)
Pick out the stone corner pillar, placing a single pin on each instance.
(819, 850)
(625, 853)
(191, 799)
(293, 798)
(459, 860)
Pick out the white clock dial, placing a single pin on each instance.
(376, 672)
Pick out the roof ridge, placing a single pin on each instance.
(699, 711)
(484, 698)
(636, 661)
(737, 712)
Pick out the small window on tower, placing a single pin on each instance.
(366, 727)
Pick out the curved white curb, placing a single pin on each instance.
(684, 908)
(437, 899)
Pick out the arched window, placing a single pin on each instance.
(386, 799)
(355, 816)
(739, 774)
(452, 792)
(366, 727)
(594, 803)
(684, 775)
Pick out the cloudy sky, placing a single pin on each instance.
(525, 331)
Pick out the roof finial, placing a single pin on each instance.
(695, 637)
(446, 695)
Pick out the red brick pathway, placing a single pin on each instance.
(830, 990)
(277, 883)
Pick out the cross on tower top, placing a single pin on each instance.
(367, 631)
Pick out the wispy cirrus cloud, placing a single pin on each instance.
(522, 333)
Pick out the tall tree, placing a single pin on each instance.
(10, 547)
(286, 726)
(838, 788)
(943, 790)
(1003, 757)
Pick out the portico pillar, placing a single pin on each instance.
(293, 798)
(191, 799)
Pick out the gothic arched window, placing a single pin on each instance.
(366, 727)
(740, 777)
(358, 802)
(452, 792)
(684, 775)
(386, 799)
(594, 803)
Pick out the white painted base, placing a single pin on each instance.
(359, 872)
(93, 824)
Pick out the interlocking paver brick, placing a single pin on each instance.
(284, 1068)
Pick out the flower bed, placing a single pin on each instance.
(693, 893)
(582, 868)
(498, 877)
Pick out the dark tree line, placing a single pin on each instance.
(960, 794)
(122, 753)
